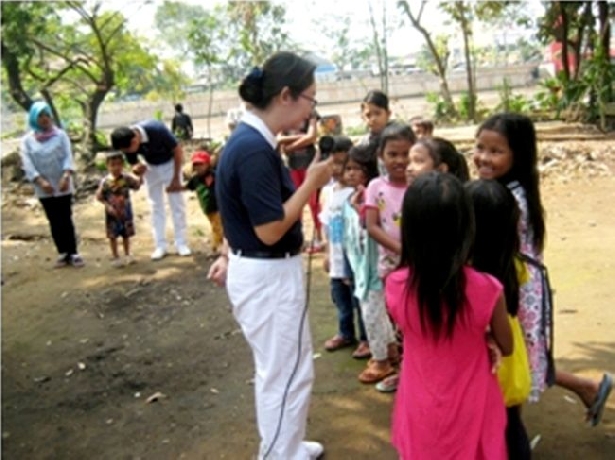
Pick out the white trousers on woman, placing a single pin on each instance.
(268, 300)
(157, 179)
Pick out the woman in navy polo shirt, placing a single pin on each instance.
(261, 211)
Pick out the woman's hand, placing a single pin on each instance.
(64, 184)
(319, 173)
(217, 271)
(45, 185)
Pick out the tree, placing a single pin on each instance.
(206, 35)
(77, 57)
(440, 61)
(172, 19)
(380, 45)
(257, 29)
(348, 52)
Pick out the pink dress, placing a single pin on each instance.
(448, 403)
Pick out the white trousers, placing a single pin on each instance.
(157, 179)
(268, 299)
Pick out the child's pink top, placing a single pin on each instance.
(448, 403)
(387, 198)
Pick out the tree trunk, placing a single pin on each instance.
(465, 29)
(605, 41)
(445, 91)
(49, 100)
(564, 19)
(11, 65)
(211, 97)
(90, 119)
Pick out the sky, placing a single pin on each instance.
(306, 19)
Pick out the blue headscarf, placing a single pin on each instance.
(35, 111)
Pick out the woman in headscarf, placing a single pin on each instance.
(47, 162)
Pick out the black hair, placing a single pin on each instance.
(521, 135)
(496, 244)
(396, 131)
(378, 98)
(341, 144)
(283, 69)
(122, 137)
(179, 107)
(424, 123)
(437, 236)
(113, 155)
(443, 151)
(365, 156)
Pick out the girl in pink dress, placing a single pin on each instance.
(448, 403)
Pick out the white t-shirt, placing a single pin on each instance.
(334, 197)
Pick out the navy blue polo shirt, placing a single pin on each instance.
(157, 145)
(252, 184)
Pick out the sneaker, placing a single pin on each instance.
(315, 449)
(117, 262)
(77, 261)
(129, 259)
(159, 253)
(184, 251)
(389, 384)
(61, 261)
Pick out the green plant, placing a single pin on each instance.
(442, 111)
(356, 130)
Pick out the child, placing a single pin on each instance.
(362, 252)
(496, 251)
(376, 113)
(436, 153)
(422, 127)
(335, 262)
(429, 154)
(202, 182)
(384, 198)
(448, 404)
(114, 193)
(506, 151)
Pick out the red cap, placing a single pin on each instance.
(201, 157)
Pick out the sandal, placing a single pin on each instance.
(373, 374)
(362, 351)
(337, 343)
(595, 411)
(389, 384)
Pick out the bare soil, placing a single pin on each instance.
(84, 349)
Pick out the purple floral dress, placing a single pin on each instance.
(530, 301)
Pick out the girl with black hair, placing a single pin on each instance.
(362, 253)
(506, 150)
(448, 402)
(496, 251)
(436, 153)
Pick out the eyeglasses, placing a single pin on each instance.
(311, 99)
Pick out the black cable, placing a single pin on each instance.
(300, 335)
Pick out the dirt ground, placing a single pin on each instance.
(84, 349)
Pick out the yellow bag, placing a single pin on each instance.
(514, 373)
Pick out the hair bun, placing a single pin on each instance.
(251, 88)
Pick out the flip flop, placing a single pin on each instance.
(596, 410)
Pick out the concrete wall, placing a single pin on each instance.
(120, 113)
(113, 114)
